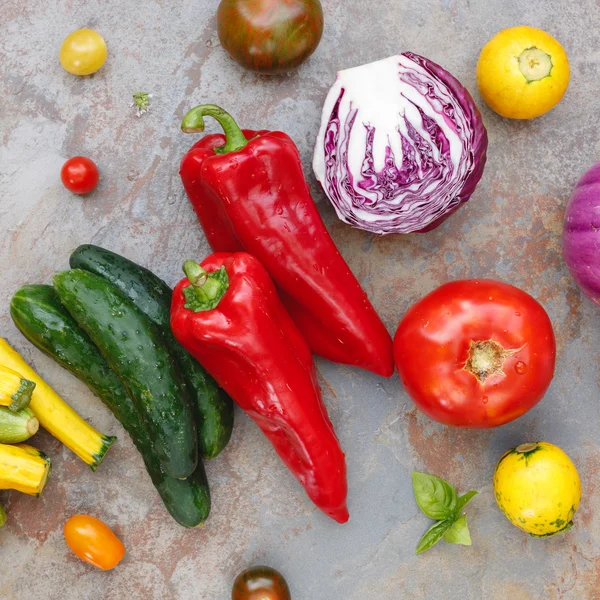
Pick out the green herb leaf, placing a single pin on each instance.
(2, 515)
(463, 501)
(435, 497)
(433, 535)
(459, 532)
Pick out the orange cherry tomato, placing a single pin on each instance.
(94, 542)
(260, 583)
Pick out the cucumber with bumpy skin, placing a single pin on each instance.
(134, 349)
(38, 313)
(213, 407)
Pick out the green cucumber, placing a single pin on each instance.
(38, 313)
(134, 348)
(213, 407)
(16, 427)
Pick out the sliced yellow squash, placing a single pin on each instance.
(56, 416)
(23, 468)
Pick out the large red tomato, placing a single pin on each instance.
(475, 353)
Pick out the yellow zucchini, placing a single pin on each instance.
(23, 468)
(15, 390)
(56, 416)
(16, 427)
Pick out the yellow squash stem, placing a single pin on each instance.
(15, 390)
(23, 468)
(56, 416)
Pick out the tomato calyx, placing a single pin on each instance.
(486, 358)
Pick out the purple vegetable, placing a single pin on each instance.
(401, 145)
(581, 237)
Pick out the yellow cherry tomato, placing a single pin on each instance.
(83, 52)
(537, 488)
(94, 542)
(523, 72)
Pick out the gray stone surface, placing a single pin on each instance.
(510, 230)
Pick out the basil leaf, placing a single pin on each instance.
(433, 535)
(435, 497)
(459, 532)
(464, 500)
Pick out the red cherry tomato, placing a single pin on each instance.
(475, 353)
(94, 542)
(260, 583)
(79, 175)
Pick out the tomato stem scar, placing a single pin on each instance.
(486, 358)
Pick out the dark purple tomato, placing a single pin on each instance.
(270, 36)
(260, 583)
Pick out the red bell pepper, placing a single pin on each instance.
(228, 315)
(249, 192)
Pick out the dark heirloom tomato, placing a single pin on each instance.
(260, 583)
(270, 36)
(475, 353)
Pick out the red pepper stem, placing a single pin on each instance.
(207, 289)
(195, 273)
(193, 122)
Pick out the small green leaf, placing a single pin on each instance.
(459, 532)
(2, 515)
(435, 497)
(463, 501)
(433, 535)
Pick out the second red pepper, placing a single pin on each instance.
(228, 315)
(249, 192)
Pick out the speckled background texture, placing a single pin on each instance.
(509, 230)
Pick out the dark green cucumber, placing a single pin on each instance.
(37, 312)
(213, 407)
(134, 348)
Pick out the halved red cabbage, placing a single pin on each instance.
(401, 146)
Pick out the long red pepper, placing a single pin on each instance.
(249, 192)
(228, 315)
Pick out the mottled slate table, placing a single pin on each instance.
(510, 230)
